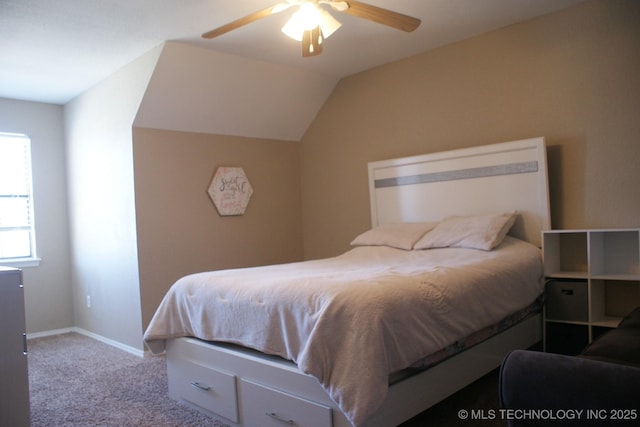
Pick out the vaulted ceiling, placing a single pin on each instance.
(52, 51)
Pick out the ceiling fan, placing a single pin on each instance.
(311, 24)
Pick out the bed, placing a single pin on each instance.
(424, 303)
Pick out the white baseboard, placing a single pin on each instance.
(49, 333)
(116, 344)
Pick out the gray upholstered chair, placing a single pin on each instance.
(600, 384)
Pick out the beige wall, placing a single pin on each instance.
(571, 77)
(179, 229)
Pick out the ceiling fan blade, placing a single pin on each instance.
(382, 16)
(246, 20)
(337, 5)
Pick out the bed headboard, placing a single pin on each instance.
(471, 181)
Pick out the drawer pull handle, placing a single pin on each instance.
(279, 418)
(196, 384)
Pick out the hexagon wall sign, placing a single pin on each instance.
(230, 191)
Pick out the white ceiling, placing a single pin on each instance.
(52, 51)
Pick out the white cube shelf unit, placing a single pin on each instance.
(593, 278)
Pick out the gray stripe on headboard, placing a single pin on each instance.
(485, 171)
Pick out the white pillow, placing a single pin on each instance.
(401, 235)
(475, 232)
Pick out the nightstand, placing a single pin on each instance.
(592, 281)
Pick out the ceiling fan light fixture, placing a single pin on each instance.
(328, 24)
(308, 17)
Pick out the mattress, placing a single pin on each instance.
(468, 342)
(393, 306)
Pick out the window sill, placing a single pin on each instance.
(20, 262)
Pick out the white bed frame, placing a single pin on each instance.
(245, 388)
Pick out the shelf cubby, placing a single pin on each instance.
(593, 281)
(565, 254)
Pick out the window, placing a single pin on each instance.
(17, 235)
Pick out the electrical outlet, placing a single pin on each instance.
(88, 301)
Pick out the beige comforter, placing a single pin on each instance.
(352, 320)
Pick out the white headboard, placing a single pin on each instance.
(471, 181)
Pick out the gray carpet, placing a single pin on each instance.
(78, 381)
(75, 380)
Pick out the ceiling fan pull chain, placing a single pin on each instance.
(312, 42)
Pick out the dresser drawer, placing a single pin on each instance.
(203, 386)
(267, 407)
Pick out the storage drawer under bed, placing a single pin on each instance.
(203, 386)
(237, 392)
(268, 407)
